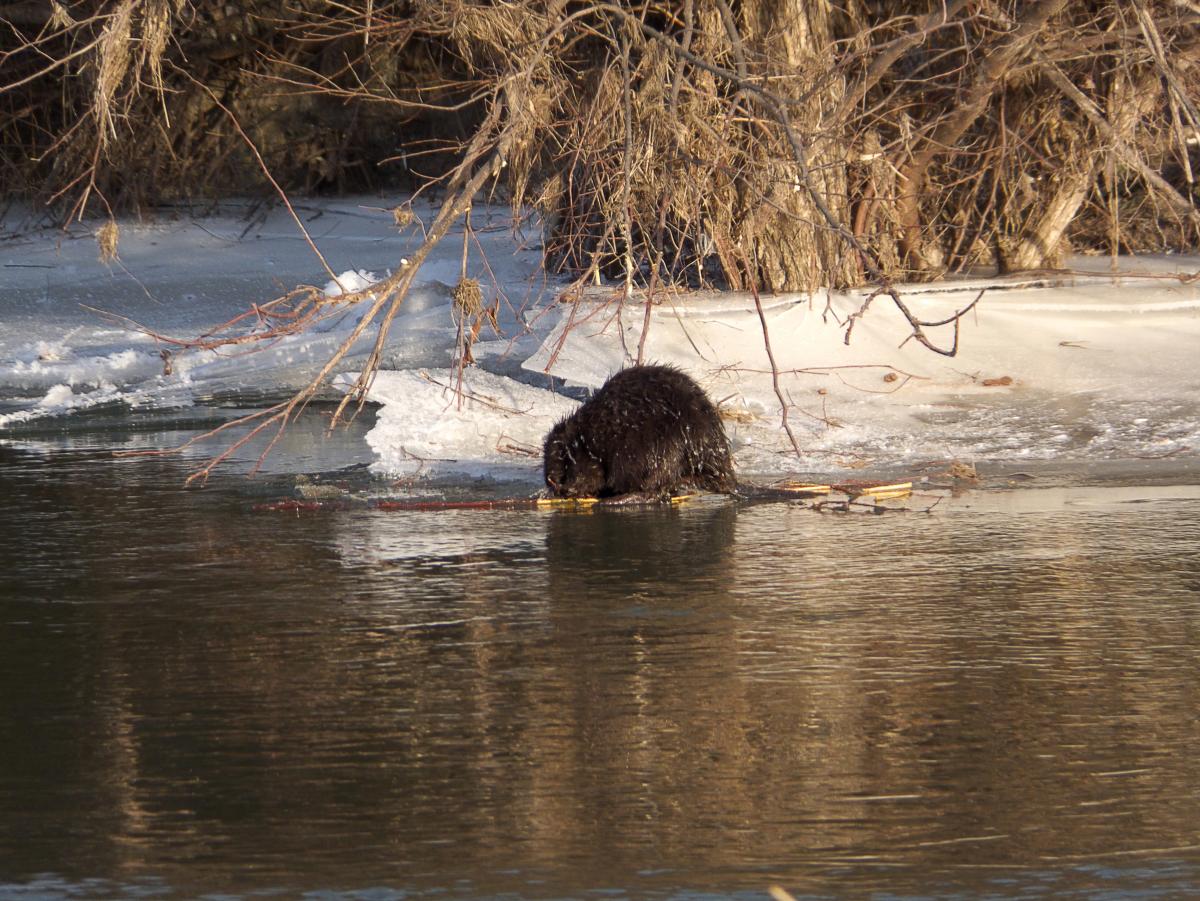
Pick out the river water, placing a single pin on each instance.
(996, 699)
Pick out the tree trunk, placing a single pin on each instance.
(1038, 246)
(972, 102)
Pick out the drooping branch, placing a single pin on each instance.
(918, 325)
(388, 296)
(263, 166)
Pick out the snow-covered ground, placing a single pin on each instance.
(1053, 367)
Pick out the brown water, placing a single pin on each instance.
(999, 699)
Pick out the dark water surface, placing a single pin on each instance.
(999, 699)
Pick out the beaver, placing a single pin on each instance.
(649, 431)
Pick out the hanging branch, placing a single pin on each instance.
(388, 297)
(918, 325)
(783, 403)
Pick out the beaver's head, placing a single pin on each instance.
(571, 470)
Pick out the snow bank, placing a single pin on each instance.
(1043, 371)
(1058, 367)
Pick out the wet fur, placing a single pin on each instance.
(649, 430)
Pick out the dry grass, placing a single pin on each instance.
(650, 135)
(108, 236)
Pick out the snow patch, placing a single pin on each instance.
(58, 396)
(350, 282)
(486, 425)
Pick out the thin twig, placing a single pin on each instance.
(783, 403)
(262, 165)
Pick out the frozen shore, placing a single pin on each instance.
(1081, 365)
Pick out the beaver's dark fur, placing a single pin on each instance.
(649, 430)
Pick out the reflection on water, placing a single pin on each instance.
(997, 699)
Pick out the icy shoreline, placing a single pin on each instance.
(1051, 367)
